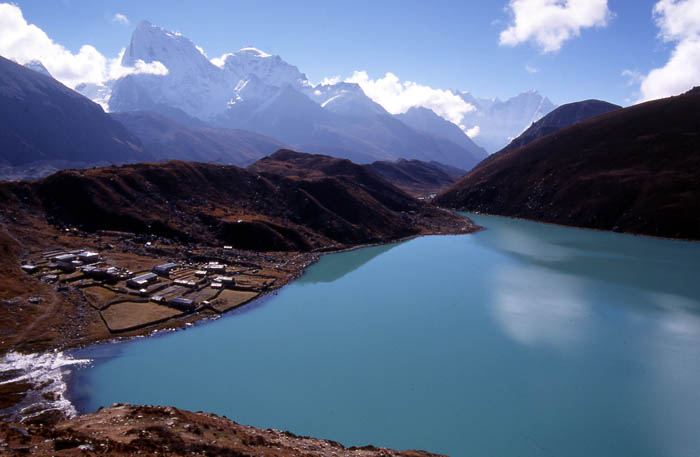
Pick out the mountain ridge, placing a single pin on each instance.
(426, 120)
(165, 139)
(500, 121)
(561, 117)
(45, 122)
(417, 178)
(633, 170)
(336, 203)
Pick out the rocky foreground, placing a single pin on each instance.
(165, 431)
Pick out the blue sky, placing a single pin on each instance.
(448, 45)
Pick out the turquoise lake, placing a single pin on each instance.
(521, 340)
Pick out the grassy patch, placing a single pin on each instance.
(127, 315)
(229, 299)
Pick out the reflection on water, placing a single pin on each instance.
(537, 305)
(655, 265)
(521, 340)
(353, 260)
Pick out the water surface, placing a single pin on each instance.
(522, 340)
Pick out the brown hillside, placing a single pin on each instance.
(634, 170)
(337, 204)
(418, 178)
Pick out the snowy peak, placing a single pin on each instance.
(345, 98)
(37, 66)
(151, 43)
(192, 84)
(421, 111)
(271, 70)
(252, 89)
(254, 52)
(501, 121)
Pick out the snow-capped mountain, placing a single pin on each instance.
(269, 69)
(250, 89)
(98, 93)
(501, 121)
(345, 98)
(192, 83)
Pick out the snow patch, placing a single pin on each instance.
(46, 372)
(323, 105)
(255, 51)
(473, 132)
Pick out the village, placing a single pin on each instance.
(133, 295)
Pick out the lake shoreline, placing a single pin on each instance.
(537, 221)
(183, 322)
(522, 316)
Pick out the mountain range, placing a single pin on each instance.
(245, 105)
(252, 90)
(255, 91)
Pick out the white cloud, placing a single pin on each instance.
(121, 19)
(220, 61)
(330, 81)
(677, 19)
(633, 76)
(532, 70)
(397, 96)
(473, 132)
(201, 51)
(116, 70)
(678, 22)
(24, 42)
(549, 23)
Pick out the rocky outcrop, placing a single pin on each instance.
(124, 430)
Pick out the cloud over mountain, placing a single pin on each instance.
(398, 96)
(679, 23)
(549, 23)
(24, 42)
